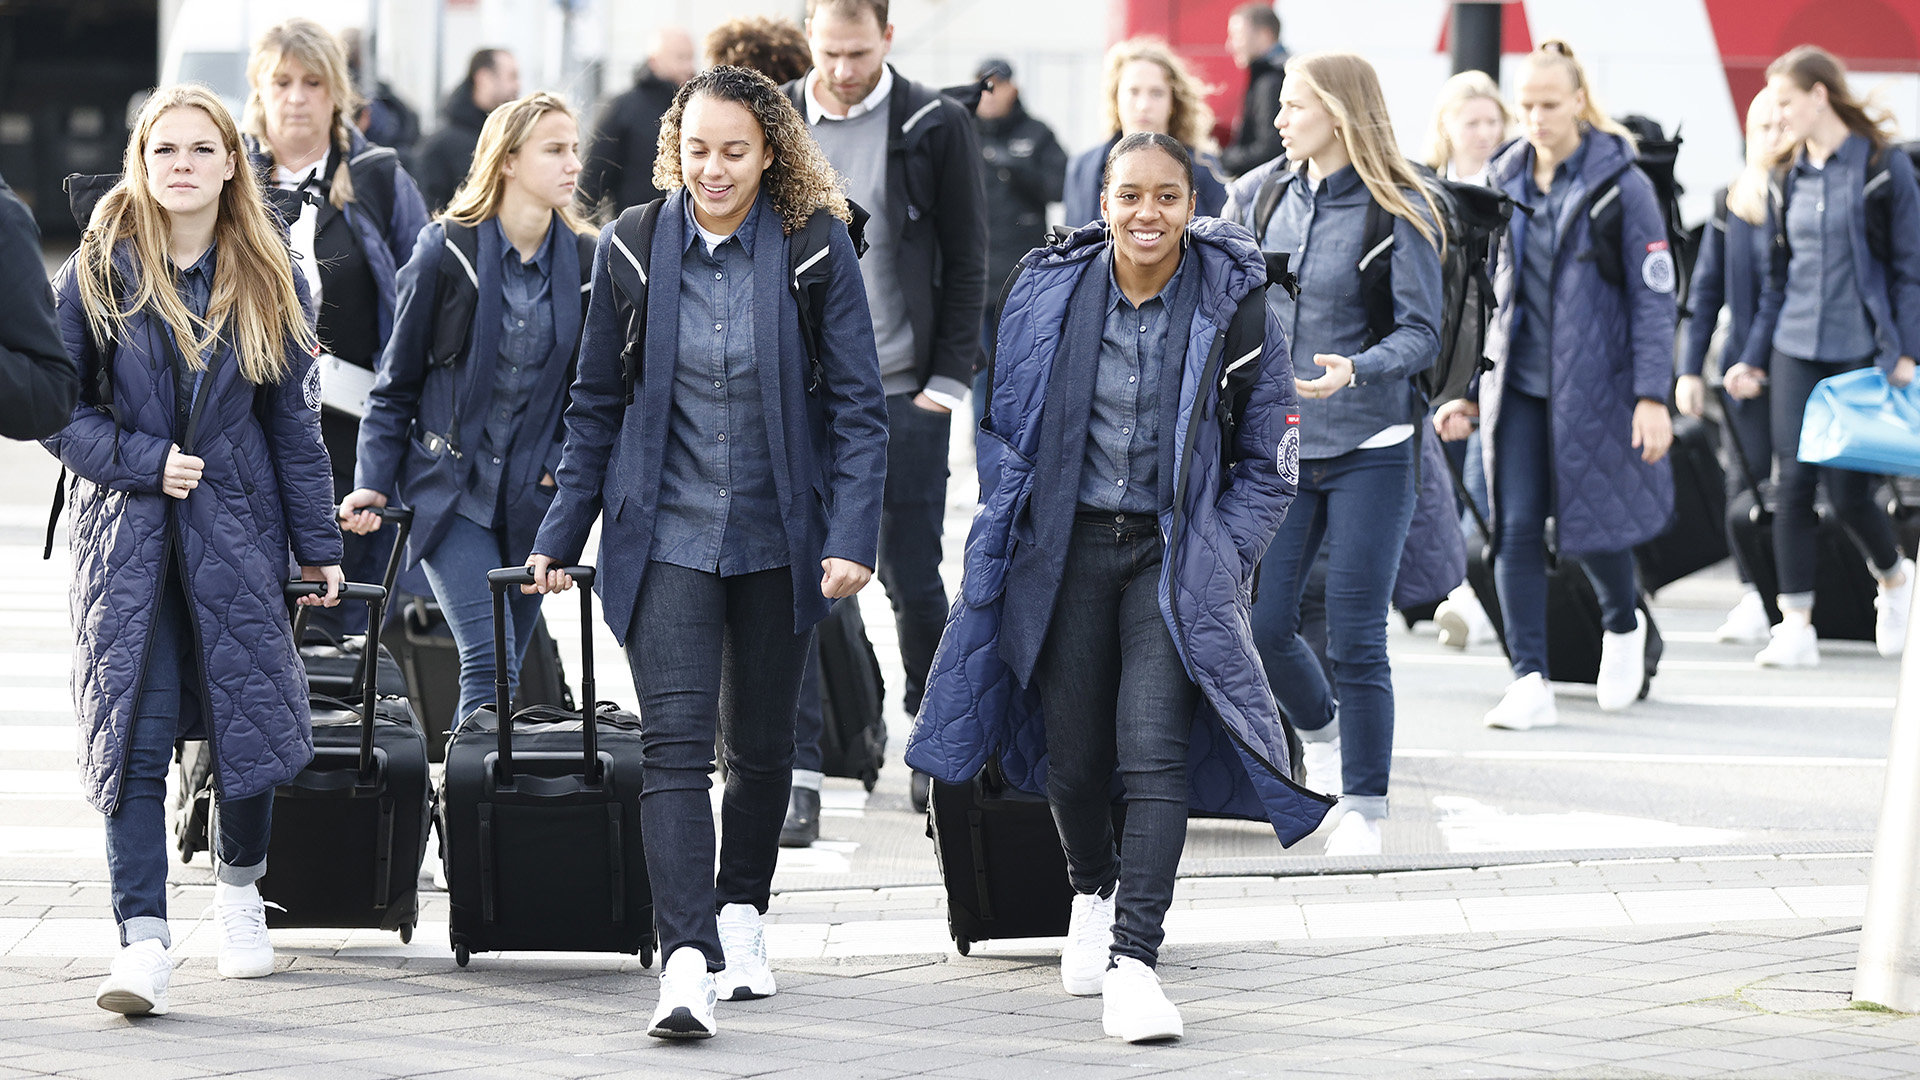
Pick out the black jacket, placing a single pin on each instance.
(441, 160)
(38, 382)
(1025, 170)
(940, 216)
(619, 164)
(1254, 140)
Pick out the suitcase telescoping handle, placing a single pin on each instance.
(401, 519)
(500, 581)
(375, 597)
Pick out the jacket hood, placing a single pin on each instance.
(1231, 265)
(459, 110)
(1608, 155)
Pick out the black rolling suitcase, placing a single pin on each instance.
(350, 830)
(1000, 859)
(431, 663)
(334, 664)
(853, 741)
(1697, 536)
(541, 817)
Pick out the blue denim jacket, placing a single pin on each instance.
(1121, 468)
(718, 510)
(1324, 228)
(1823, 317)
(526, 337)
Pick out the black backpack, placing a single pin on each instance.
(1475, 218)
(808, 276)
(1657, 157)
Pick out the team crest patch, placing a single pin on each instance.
(1287, 460)
(1657, 268)
(310, 387)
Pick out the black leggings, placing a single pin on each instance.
(1850, 493)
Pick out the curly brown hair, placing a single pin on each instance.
(773, 47)
(800, 180)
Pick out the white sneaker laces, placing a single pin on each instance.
(244, 925)
(745, 940)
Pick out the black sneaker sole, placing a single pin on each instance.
(680, 1024)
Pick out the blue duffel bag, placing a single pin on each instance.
(1860, 421)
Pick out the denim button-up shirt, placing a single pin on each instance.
(1121, 469)
(526, 337)
(718, 510)
(1530, 358)
(196, 291)
(1323, 227)
(1823, 316)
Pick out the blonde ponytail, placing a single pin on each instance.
(1556, 53)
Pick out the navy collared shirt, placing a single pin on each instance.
(1530, 357)
(1823, 315)
(719, 511)
(195, 285)
(526, 337)
(1121, 469)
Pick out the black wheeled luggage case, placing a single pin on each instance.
(334, 663)
(349, 831)
(1697, 536)
(853, 696)
(431, 663)
(541, 817)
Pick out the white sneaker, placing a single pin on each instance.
(1747, 623)
(1083, 960)
(1462, 621)
(1134, 1007)
(686, 997)
(1794, 645)
(1528, 704)
(136, 984)
(1322, 760)
(1356, 834)
(1890, 613)
(1623, 666)
(744, 942)
(245, 950)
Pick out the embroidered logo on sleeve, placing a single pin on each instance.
(1287, 460)
(1657, 268)
(310, 387)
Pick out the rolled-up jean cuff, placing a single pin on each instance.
(810, 779)
(146, 928)
(239, 875)
(1327, 732)
(1800, 601)
(1371, 807)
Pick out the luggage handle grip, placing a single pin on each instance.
(375, 597)
(326, 781)
(546, 787)
(499, 581)
(402, 519)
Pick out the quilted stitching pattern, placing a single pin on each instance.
(974, 707)
(1434, 560)
(266, 471)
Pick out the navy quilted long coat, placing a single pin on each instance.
(1612, 345)
(979, 700)
(267, 490)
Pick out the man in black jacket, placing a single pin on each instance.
(911, 159)
(1253, 40)
(38, 382)
(441, 160)
(1026, 170)
(619, 167)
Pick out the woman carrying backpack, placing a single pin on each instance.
(1368, 314)
(1148, 89)
(1843, 293)
(463, 423)
(1735, 251)
(352, 215)
(740, 471)
(1573, 416)
(196, 471)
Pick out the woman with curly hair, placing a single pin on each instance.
(1148, 88)
(773, 47)
(740, 470)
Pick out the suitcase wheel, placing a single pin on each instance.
(406, 934)
(646, 956)
(461, 955)
(1646, 687)
(963, 945)
(871, 780)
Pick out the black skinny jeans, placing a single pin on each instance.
(1795, 523)
(1114, 693)
(713, 651)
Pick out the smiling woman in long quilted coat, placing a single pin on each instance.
(198, 465)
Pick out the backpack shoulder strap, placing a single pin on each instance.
(1246, 339)
(1376, 272)
(1720, 211)
(585, 244)
(627, 268)
(809, 275)
(372, 170)
(1267, 200)
(456, 294)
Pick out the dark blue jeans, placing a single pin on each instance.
(457, 570)
(1795, 523)
(712, 653)
(1360, 504)
(1523, 496)
(137, 852)
(1115, 695)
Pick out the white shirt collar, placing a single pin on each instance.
(816, 112)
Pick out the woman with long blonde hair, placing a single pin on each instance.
(352, 215)
(1368, 315)
(463, 424)
(1470, 121)
(1148, 88)
(196, 472)
(1573, 415)
(1838, 188)
(737, 442)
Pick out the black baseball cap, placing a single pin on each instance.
(995, 68)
